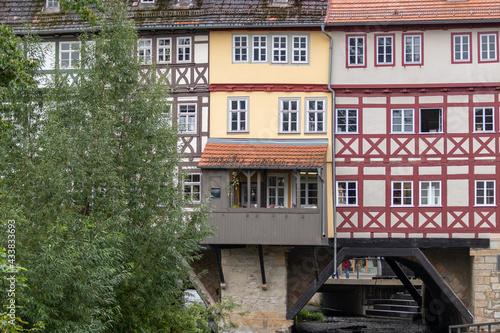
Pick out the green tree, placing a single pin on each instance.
(92, 179)
(17, 72)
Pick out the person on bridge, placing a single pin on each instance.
(346, 265)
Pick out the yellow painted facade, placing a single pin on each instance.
(224, 70)
(264, 106)
(263, 118)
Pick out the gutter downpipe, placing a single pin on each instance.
(333, 141)
(323, 201)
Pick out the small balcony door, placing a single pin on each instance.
(277, 190)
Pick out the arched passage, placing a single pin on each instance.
(440, 304)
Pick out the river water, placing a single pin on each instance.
(360, 325)
(345, 324)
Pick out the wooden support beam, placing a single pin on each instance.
(313, 250)
(262, 270)
(412, 242)
(315, 285)
(219, 265)
(259, 200)
(404, 279)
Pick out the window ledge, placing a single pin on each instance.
(315, 133)
(262, 210)
(492, 205)
(402, 206)
(426, 133)
(403, 133)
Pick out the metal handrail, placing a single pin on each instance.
(451, 329)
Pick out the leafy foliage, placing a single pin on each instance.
(11, 282)
(90, 173)
(306, 315)
(16, 70)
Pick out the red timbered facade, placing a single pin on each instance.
(414, 158)
(452, 163)
(417, 114)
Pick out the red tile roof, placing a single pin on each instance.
(426, 11)
(228, 155)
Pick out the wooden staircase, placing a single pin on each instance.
(398, 306)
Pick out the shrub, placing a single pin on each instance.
(306, 315)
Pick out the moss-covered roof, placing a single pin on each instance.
(168, 14)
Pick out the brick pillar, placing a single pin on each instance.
(486, 282)
(266, 306)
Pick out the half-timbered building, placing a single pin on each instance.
(169, 38)
(417, 122)
(312, 126)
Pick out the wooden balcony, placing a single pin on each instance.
(277, 226)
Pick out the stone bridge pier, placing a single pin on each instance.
(266, 280)
(273, 283)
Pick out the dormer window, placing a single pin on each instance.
(148, 1)
(52, 4)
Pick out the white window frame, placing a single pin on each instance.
(280, 51)
(350, 120)
(313, 114)
(403, 197)
(286, 114)
(182, 48)
(259, 45)
(403, 118)
(307, 178)
(164, 50)
(238, 111)
(412, 49)
(430, 192)
(385, 51)
(148, 1)
(484, 197)
(71, 51)
(356, 53)
(194, 186)
(461, 48)
(185, 111)
(350, 191)
(440, 125)
(241, 48)
(487, 47)
(284, 187)
(145, 52)
(300, 46)
(484, 123)
(52, 4)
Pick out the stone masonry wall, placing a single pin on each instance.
(455, 267)
(486, 282)
(266, 306)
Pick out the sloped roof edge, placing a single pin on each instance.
(276, 142)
